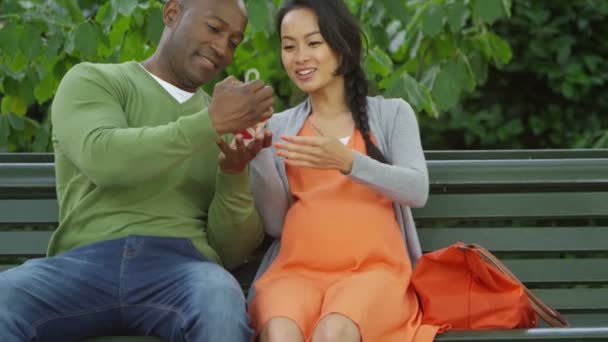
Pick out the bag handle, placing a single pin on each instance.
(552, 317)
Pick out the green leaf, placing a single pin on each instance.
(85, 40)
(506, 4)
(124, 7)
(260, 16)
(19, 62)
(4, 130)
(488, 10)
(429, 76)
(154, 25)
(74, 10)
(41, 139)
(53, 44)
(432, 20)
(380, 62)
(501, 51)
(457, 15)
(406, 87)
(446, 89)
(479, 67)
(45, 88)
(16, 121)
(132, 49)
(430, 107)
(10, 35)
(119, 28)
(31, 43)
(13, 104)
(396, 9)
(106, 16)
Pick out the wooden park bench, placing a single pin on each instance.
(544, 213)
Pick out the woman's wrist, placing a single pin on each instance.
(347, 163)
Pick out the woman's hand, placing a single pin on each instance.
(234, 158)
(316, 152)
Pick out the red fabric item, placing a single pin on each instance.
(459, 289)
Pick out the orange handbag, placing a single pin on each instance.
(464, 286)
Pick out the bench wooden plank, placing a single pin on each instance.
(514, 154)
(586, 319)
(519, 173)
(524, 239)
(532, 205)
(28, 175)
(430, 155)
(528, 335)
(29, 211)
(575, 299)
(33, 243)
(125, 339)
(560, 270)
(511, 173)
(528, 271)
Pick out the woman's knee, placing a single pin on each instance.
(281, 329)
(334, 328)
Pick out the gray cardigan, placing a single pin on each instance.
(404, 179)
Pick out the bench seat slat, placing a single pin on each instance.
(125, 339)
(516, 205)
(523, 239)
(528, 335)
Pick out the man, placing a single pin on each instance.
(146, 215)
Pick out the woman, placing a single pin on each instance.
(335, 190)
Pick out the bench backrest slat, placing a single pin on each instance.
(521, 239)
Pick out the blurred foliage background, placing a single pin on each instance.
(482, 74)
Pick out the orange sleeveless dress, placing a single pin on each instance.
(341, 252)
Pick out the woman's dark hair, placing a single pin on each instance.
(343, 34)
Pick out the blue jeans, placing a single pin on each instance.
(137, 285)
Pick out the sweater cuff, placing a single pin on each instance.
(230, 183)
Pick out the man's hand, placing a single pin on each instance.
(316, 152)
(235, 157)
(235, 105)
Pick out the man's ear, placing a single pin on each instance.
(172, 12)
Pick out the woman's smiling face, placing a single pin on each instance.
(308, 59)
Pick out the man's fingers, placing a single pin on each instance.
(267, 138)
(264, 94)
(224, 147)
(230, 80)
(266, 114)
(240, 144)
(256, 145)
(254, 86)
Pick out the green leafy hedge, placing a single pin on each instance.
(430, 52)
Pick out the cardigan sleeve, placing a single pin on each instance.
(270, 196)
(405, 180)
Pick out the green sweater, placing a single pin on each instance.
(130, 159)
